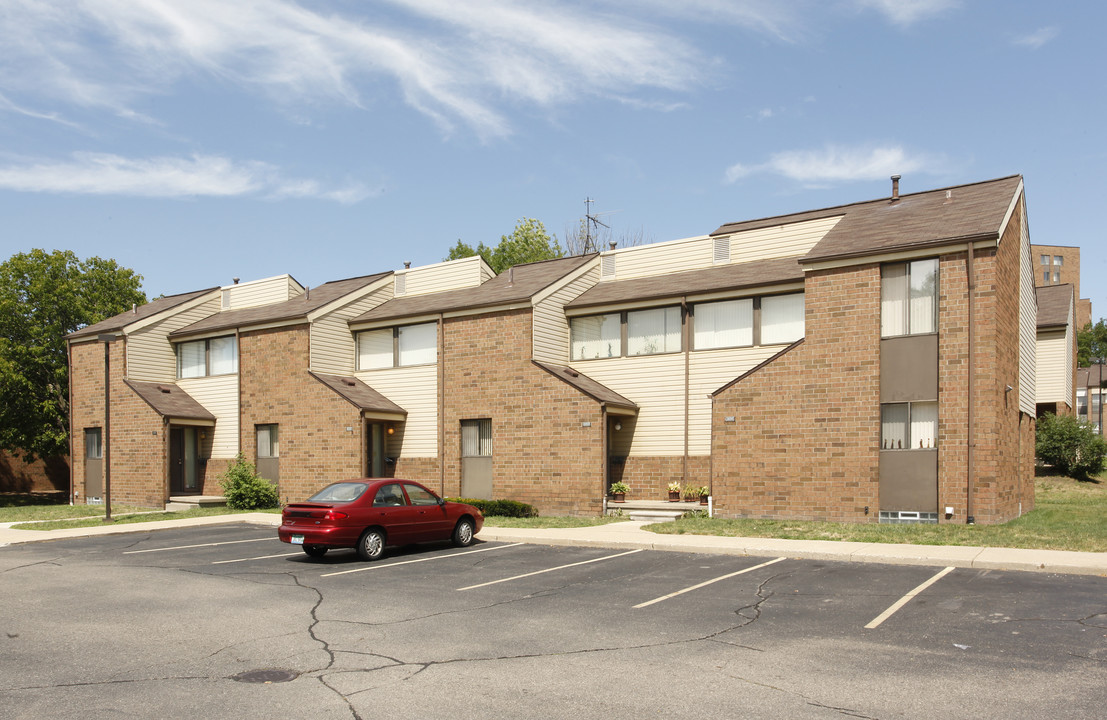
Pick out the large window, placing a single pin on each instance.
(476, 438)
(268, 441)
(909, 426)
(214, 356)
(397, 347)
(723, 324)
(781, 319)
(909, 298)
(654, 331)
(598, 336)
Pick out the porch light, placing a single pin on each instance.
(618, 426)
(391, 430)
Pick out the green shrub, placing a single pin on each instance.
(501, 508)
(243, 488)
(1070, 445)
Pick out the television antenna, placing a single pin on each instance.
(592, 220)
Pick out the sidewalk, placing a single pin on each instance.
(630, 535)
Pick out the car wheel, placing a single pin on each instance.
(315, 551)
(463, 533)
(371, 544)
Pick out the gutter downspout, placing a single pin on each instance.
(605, 474)
(72, 442)
(970, 519)
(441, 406)
(687, 360)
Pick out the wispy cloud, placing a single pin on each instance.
(834, 164)
(9, 106)
(165, 177)
(1037, 38)
(908, 12)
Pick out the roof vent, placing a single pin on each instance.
(134, 308)
(235, 280)
(949, 197)
(407, 264)
(607, 266)
(164, 389)
(895, 188)
(571, 372)
(349, 382)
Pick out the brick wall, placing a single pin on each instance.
(649, 476)
(41, 475)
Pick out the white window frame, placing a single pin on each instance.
(902, 311)
(915, 428)
(188, 349)
(398, 346)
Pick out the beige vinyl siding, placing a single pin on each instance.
(1070, 360)
(452, 275)
(1054, 368)
(551, 327)
(780, 241)
(219, 396)
(333, 349)
(415, 389)
(661, 258)
(1028, 324)
(708, 371)
(150, 355)
(261, 292)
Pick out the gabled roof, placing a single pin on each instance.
(123, 319)
(588, 386)
(1054, 304)
(715, 279)
(1097, 376)
(519, 284)
(296, 308)
(170, 401)
(918, 220)
(359, 394)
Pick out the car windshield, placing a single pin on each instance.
(339, 492)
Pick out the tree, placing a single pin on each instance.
(1070, 445)
(1091, 343)
(44, 297)
(529, 242)
(583, 239)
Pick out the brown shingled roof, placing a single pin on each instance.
(294, 309)
(359, 394)
(518, 284)
(588, 386)
(123, 319)
(1054, 303)
(170, 401)
(690, 282)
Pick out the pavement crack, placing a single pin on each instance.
(53, 562)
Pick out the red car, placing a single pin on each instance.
(369, 514)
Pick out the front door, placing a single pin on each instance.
(183, 462)
(94, 463)
(476, 459)
(375, 454)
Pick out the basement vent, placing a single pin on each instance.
(401, 284)
(720, 252)
(904, 517)
(607, 266)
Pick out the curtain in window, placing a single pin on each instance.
(191, 359)
(374, 349)
(653, 331)
(924, 297)
(893, 426)
(597, 336)
(893, 297)
(224, 355)
(268, 444)
(781, 319)
(418, 344)
(924, 425)
(723, 324)
(476, 438)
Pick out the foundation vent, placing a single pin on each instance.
(906, 517)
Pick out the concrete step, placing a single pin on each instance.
(178, 503)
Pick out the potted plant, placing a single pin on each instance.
(619, 491)
(704, 492)
(674, 492)
(691, 493)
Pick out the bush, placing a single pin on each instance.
(501, 508)
(1070, 445)
(243, 488)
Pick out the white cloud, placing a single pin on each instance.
(1037, 38)
(165, 177)
(908, 12)
(838, 164)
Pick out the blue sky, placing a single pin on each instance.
(199, 140)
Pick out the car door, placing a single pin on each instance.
(434, 524)
(391, 511)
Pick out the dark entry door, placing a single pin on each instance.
(183, 461)
(94, 463)
(375, 454)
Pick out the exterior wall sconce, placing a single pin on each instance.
(391, 430)
(618, 426)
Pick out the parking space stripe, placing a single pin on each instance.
(259, 557)
(539, 572)
(906, 599)
(189, 547)
(705, 583)
(411, 562)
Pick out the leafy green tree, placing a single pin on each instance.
(44, 297)
(1091, 343)
(529, 242)
(1071, 446)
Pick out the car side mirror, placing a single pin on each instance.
(442, 502)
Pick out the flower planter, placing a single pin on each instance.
(618, 497)
(674, 497)
(703, 500)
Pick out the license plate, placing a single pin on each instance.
(297, 539)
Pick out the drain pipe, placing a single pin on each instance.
(442, 406)
(970, 519)
(685, 342)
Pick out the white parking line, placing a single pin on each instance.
(410, 562)
(539, 572)
(189, 547)
(705, 583)
(259, 557)
(906, 599)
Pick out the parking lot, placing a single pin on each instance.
(226, 620)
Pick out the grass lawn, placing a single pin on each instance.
(1069, 515)
(548, 522)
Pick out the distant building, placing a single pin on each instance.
(1060, 265)
(1089, 395)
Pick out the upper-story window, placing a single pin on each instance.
(397, 347)
(596, 336)
(909, 298)
(633, 332)
(213, 356)
(781, 319)
(723, 324)
(653, 331)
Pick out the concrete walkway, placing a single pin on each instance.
(630, 535)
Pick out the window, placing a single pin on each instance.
(781, 319)
(389, 496)
(476, 438)
(1045, 259)
(268, 441)
(909, 298)
(597, 336)
(214, 356)
(1045, 276)
(909, 426)
(397, 347)
(1082, 403)
(723, 324)
(654, 331)
(419, 496)
(1058, 260)
(94, 448)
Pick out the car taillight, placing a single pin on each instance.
(334, 515)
